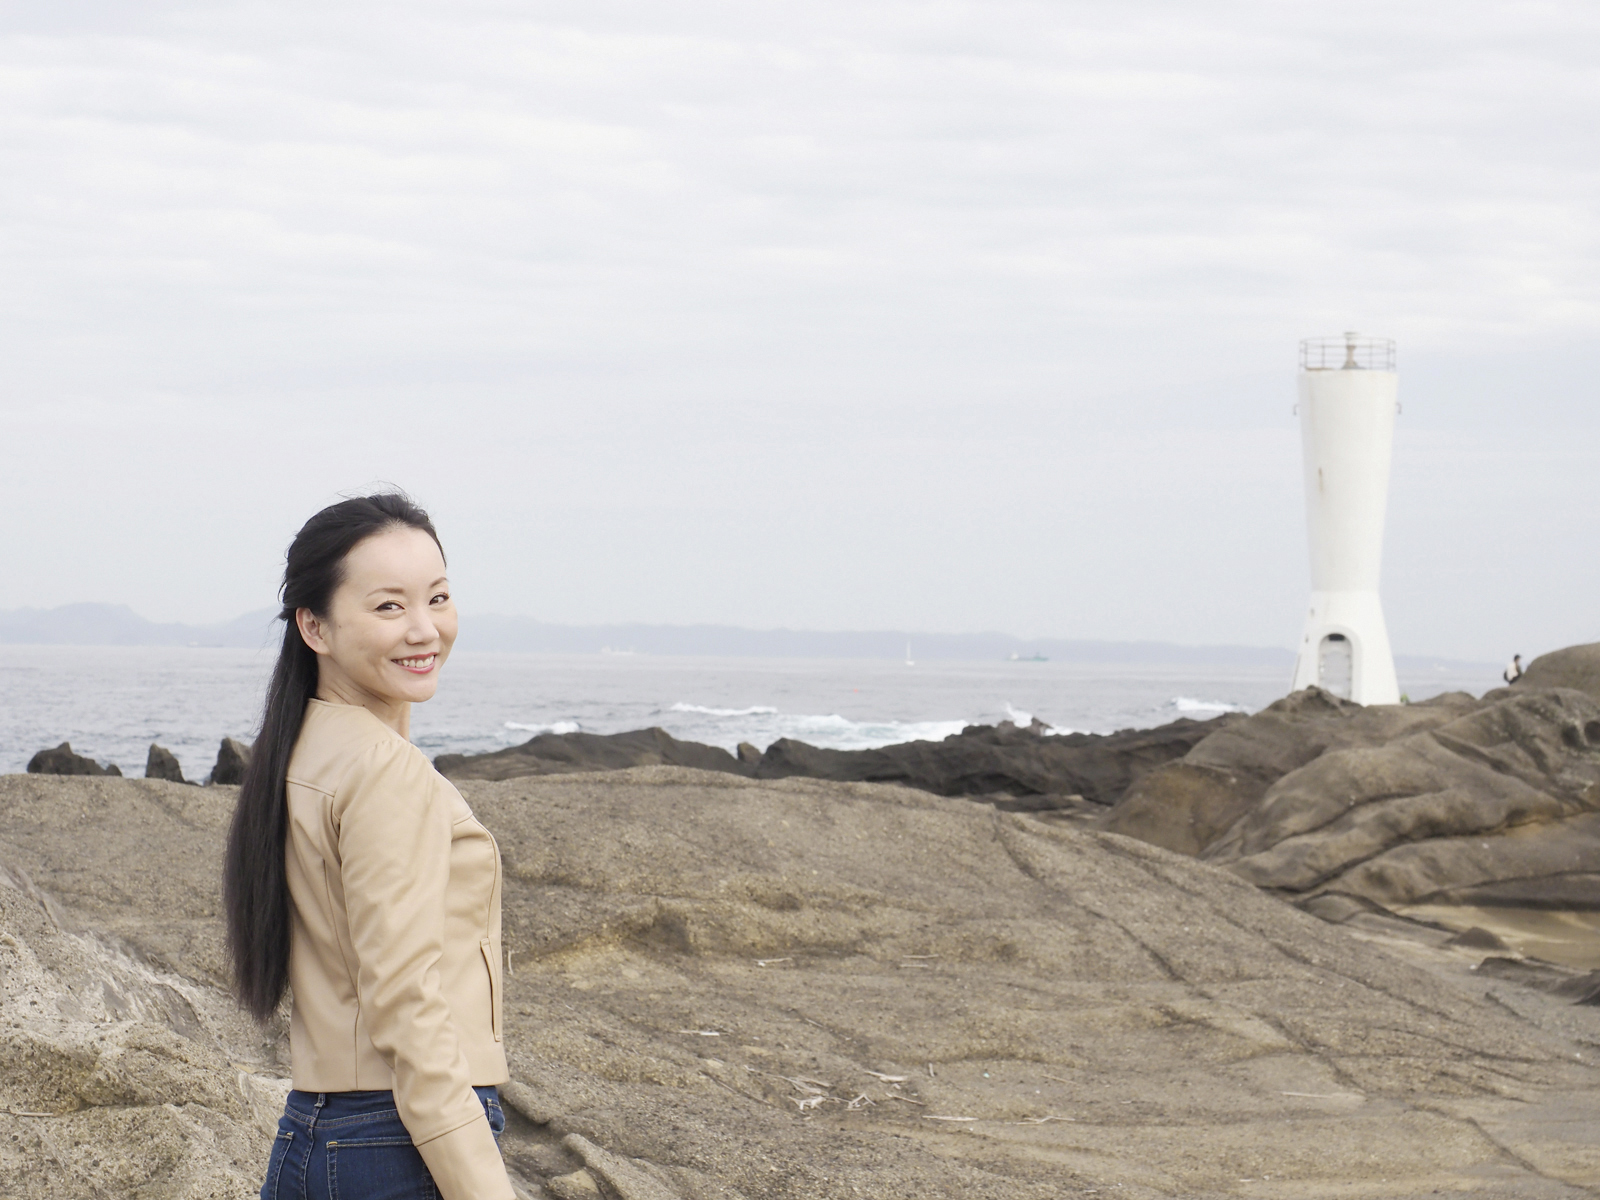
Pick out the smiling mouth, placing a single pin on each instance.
(420, 665)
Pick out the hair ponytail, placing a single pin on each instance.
(255, 882)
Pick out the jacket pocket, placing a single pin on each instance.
(491, 959)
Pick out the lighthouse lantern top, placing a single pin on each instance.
(1352, 352)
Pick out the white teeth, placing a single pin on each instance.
(425, 661)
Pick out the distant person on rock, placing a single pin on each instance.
(357, 877)
(1513, 671)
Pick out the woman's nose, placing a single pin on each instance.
(422, 630)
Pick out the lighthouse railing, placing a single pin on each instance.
(1347, 353)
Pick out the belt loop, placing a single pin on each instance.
(316, 1109)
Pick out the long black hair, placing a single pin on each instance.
(255, 882)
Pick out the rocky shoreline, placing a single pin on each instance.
(725, 986)
(1471, 803)
(720, 987)
(1459, 802)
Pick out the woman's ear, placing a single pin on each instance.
(310, 630)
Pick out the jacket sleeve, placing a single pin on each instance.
(394, 851)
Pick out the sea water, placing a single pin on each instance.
(111, 702)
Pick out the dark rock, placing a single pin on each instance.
(1335, 908)
(1053, 802)
(1583, 990)
(1575, 667)
(990, 761)
(162, 764)
(1478, 938)
(564, 753)
(232, 759)
(987, 759)
(1545, 977)
(63, 761)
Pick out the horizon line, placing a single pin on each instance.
(238, 626)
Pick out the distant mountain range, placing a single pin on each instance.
(119, 625)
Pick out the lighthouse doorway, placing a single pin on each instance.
(1335, 668)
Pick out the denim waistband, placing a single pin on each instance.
(336, 1109)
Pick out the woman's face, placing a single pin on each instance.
(390, 624)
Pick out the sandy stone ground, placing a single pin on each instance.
(720, 987)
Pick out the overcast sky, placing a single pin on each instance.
(943, 316)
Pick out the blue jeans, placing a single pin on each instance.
(353, 1146)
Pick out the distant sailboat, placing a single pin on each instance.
(909, 663)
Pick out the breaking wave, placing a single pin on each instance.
(1022, 720)
(555, 727)
(1188, 704)
(762, 724)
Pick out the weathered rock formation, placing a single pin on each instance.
(564, 753)
(232, 759)
(982, 760)
(1457, 801)
(1492, 802)
(1576, 667)
(124, 1069)
(1187, 805)
(999, 759)
(61, 760)
(162, 764)
(727, 988)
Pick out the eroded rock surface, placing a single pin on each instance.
(989, 760)
(1576, 667)
(564, 753)
(232, 758)
(1455, 806)
(725, 987)
(123, 1070)
(998, 762)
(162, 763)
(63, 760)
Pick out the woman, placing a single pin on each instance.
(357, 876)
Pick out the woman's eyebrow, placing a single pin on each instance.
(400, 591)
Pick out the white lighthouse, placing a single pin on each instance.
(1348, 403)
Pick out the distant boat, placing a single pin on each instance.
(909, 663)
(1035, 657)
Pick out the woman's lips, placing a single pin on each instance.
(421, 664)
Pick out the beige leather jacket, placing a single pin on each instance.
(395, 960)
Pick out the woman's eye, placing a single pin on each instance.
(388, 606)
(442, 597)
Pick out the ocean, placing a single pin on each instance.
(111, 702)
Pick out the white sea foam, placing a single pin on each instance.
(762, 724)
(1188, 704)
(840, 733)
(759, 710)
(1022, 719)
(555, 727)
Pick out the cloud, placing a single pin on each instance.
(666, 250)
